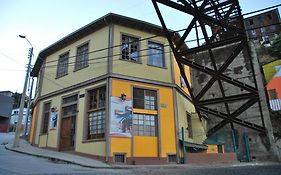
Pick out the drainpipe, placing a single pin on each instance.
(245, 135)
(183, 146)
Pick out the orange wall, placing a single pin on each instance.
(145, 146)
(177, 75)
(121, 145)
(275, 83)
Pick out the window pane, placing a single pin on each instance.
(130, 48)
(145, 125)
(82, 57)
(96, 124)
(156, 54)
(62, 67)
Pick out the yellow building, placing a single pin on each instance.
(112, 90)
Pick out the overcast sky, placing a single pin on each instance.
(46, 21)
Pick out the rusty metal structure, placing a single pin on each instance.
(220, 23)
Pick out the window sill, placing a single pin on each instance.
(57, 77)
(43, 134)
(78, 69)
(157, 66)
(130, 61)
(93, 140)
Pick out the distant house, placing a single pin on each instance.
(6, 105)
(15, 116)
(263, 28)
(274, 90)
(269, 69)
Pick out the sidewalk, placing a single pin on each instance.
(26, 148)
(56, 156)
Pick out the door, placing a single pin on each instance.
(67, 136)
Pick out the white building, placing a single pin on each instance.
(15, 115)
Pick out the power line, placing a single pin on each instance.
(167, 45)
(256, 11)
(154, 36)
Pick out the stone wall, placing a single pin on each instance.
(261, 146)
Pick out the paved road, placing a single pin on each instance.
(12, 163)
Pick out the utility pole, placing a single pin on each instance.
(18, 128)
(28, 107)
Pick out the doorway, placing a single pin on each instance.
(68, 123)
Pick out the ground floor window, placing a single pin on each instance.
(144, 125)
(96, 124)
(46, 117)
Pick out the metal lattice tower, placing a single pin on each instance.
(220, 24)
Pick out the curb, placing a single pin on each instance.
(55, 159)
(174, 166)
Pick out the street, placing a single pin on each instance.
(12, 163)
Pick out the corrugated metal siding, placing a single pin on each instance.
(275, 104)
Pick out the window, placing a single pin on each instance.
(272, 94)
(269, 16)
(119, 158)
(130, 48)
(156, 54)
(69, 106)
(172, 158)
(144, 125)
(62, 68)
(46, 117)
(254, 33)
(251, 22)
(144, 99)
(189, 125)
(96, 113)
(82, 57)
(220, 149)
(263, 30)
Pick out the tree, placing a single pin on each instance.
(275, 48)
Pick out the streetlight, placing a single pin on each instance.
(18, 128)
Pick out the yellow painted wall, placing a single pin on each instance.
(39, 122)
(43, 140)
(121, 145)
(33, 124)
(145, 146)
(184, 105)
(97, 40)
(141, 70)
(269, 69)
(177, 75)
(167, 125)
(214, 149)
(167, 122)
(95, 148)
(92, 147)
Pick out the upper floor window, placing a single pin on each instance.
(269, 16)
(46, 117)
(82, 57)
(62, 68)
(156, 54)
(130, 48)
(145, 99)
(251, 22)
(272, 94)
(96, 113)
